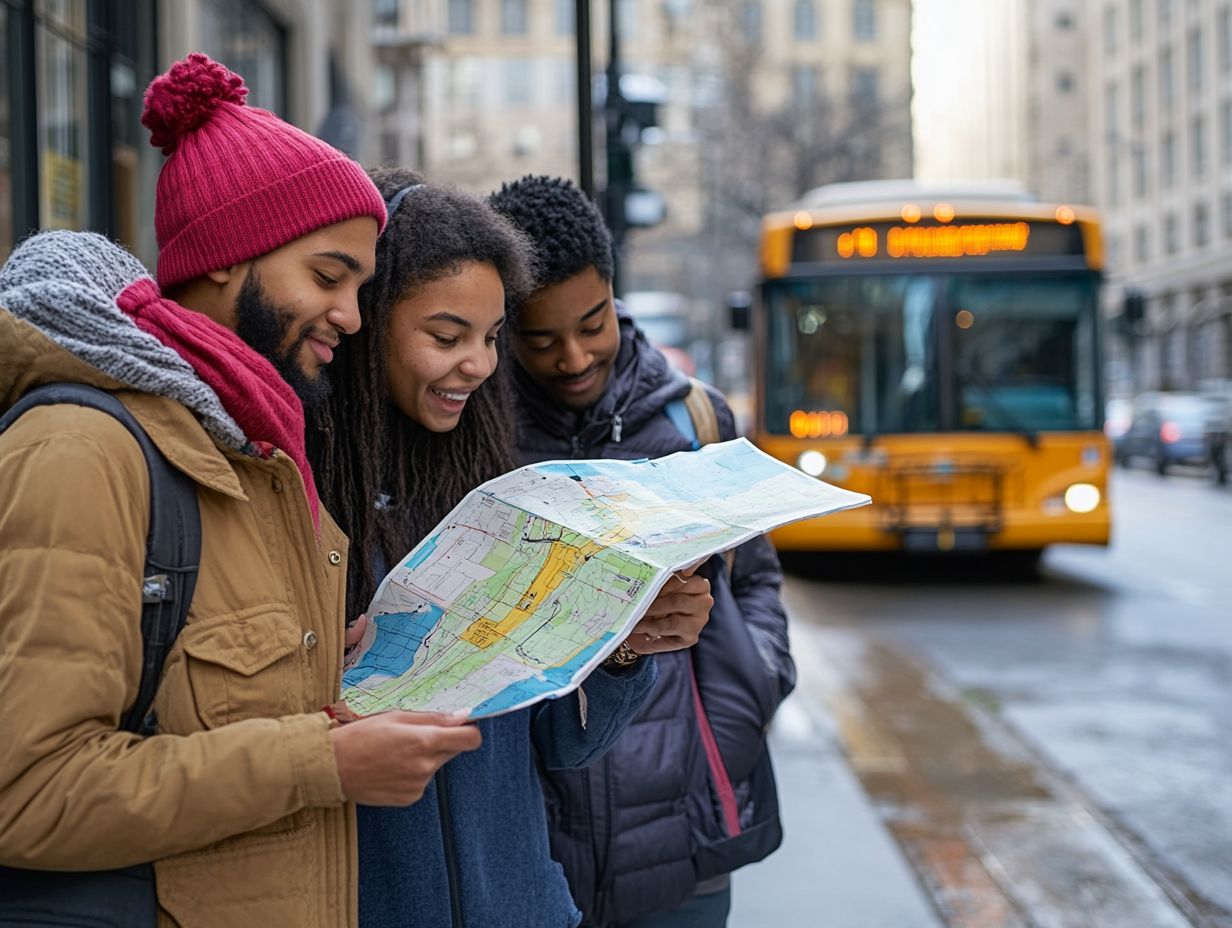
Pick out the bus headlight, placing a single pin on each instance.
(812, 463)
(1082, 497)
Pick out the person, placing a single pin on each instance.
(420, 415)
(243, 797)
(649, 834)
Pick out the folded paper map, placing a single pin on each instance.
(536, 576)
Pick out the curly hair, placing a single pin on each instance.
(566, 228)
(387, 480)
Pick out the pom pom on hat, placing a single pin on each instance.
(181, 100)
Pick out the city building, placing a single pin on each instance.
(73, 154)
(1001, 92)
(1161, 140)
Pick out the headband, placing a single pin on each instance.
(392, 204)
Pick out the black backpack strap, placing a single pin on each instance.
(173, 546)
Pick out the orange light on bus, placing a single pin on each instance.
(818, 424)
(911, 213)
(1065, 215)
(943, 212)
(956, 241)
(862, 241)
(803, 221)
(965, 319)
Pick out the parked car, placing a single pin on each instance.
(1167, 429)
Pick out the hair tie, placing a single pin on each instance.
(392, 204)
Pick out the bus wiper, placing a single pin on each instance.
(970, 377)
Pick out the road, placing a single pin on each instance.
(972, 750)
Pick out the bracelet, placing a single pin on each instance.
(623, 656)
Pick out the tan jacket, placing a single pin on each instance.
(237, 797)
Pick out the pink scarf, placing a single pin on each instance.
(251, 390)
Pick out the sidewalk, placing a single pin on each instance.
(837, 868)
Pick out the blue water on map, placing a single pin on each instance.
(556, 677)
(429, 545)
(569, 470)
(393, 652)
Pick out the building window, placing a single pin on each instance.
(519, 81)
(1223, 37)
(750, 20)
(1197, 141)
(864, 89)
(1197, 66)
(1142, 244)
(249, 41)
(1065, 82)
(1171, 245)
(1165, 13)
(803, 86)
(804, 20)
(391, 148)
(1137, 98)
(566, 17)
(7, 232)
(1202, 224)
(1113, 178)
(1112, 111)
(628, 19)
(1063, 20)
(864, 20)
(1110, 30)
(1167, 83)
(1227, 215)
(1225, 133)
(1135, 20)
(1167, 160)
(1141, 180)
(513, 17)
(461, 17)
(385, 13)
(384, 88)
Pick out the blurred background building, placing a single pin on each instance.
(1161, 137)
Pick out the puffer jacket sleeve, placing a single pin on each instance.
(74, 792)
(743, 660)
(612, 700)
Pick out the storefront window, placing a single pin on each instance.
(62, 122)
(249, 41)
(6, 149)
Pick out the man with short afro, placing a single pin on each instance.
(589, 385)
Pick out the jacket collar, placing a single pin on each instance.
(32, 359)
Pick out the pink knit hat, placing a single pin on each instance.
(238, 182)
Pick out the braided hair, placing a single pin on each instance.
(387, 480)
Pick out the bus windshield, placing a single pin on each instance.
(931, 352)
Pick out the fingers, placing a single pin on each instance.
(656, 644)
(355, 631)
(446, 719)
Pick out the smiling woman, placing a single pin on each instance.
(417, 417)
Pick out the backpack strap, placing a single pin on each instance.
(173, 545)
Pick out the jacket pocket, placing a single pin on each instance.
(244, 665)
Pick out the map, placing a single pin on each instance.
(536, 576)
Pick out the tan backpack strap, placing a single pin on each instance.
(701, 411)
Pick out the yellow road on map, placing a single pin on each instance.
(562, 559)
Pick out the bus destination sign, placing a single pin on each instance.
(969, 239)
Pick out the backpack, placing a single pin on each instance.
(124, 897)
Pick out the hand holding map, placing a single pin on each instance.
(536, 576)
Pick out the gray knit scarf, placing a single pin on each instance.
(65, 284)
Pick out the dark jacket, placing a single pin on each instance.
(477, 842)
(639, 829)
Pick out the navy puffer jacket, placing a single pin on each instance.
(639, 829)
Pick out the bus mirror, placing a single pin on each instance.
(739, 306)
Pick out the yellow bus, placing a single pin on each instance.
(940, 350)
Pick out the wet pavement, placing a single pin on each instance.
(1047, 752)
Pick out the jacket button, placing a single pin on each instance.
(276, 485)
(310, 640)
(335, 558)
